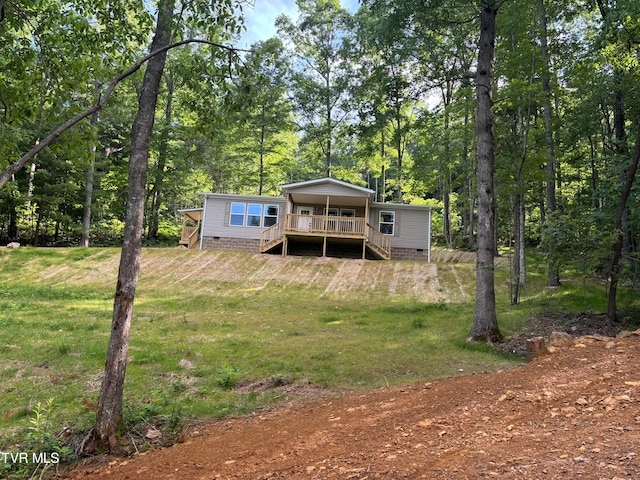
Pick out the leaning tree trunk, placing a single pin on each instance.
(485, 323)
(110, 401)
(612, 313)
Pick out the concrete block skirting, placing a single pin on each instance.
(253, 246)
(233, 244)
(408, 254)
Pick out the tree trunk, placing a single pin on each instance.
(263, 127)
(470, 168)
(110, 401)
(485, 323)
(36, 232)
(383, 173)
(519, 268)
(445, 166)
(400, 155)
(612, 313)
(13, 215)
(88, 189)
(553, 277)
(329, 121)
(158, 182)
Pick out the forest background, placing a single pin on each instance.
(382, 97)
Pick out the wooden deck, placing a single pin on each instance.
(328, 227)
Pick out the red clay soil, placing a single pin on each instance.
(571, 414)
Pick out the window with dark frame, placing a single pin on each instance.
(270, 215)
(387, 222)
(332, 212)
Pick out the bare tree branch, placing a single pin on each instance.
(53, 136)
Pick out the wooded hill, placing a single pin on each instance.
(382, 97)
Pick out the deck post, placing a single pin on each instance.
(366, 223)
(326, 227)
(366, 212)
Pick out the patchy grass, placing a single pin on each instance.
(206, 321)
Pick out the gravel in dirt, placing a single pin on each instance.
(572, 414)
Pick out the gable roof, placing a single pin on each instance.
(330, 182)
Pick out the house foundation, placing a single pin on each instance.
(235, 244)
(308, 249)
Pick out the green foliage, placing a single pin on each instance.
(227, 376)
(322, 72)
(157, 413)
(38, 448)
(389, 85)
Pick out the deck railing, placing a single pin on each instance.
(271, 236)
(345, 227)
(340, 226)
(379, 242)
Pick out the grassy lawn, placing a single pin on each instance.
(206, 320)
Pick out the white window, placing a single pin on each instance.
(270, 215)
(387, 222)
(347, 212)
(236, 218)
(254, 215)
(332, 212)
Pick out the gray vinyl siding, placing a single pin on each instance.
(330, 190)
(411, 227)
(318, 209)
(216, 216)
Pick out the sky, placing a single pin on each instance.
(259, 19)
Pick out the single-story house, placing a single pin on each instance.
(322, 217)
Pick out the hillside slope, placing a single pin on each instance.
(176, 269)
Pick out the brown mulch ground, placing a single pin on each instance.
(571, 414)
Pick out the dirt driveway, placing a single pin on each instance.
(573, 414)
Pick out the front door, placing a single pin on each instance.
(305, 222)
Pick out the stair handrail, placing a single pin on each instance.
(271, 235)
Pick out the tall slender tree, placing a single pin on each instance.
(553, 276)
(110, 400)
(263, 116)
(485, 323)
(322, 74)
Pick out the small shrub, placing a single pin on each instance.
(178, 386)
(227, 376)
(43, 447)
(64, 349)
(176, 423)
(418, 323)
